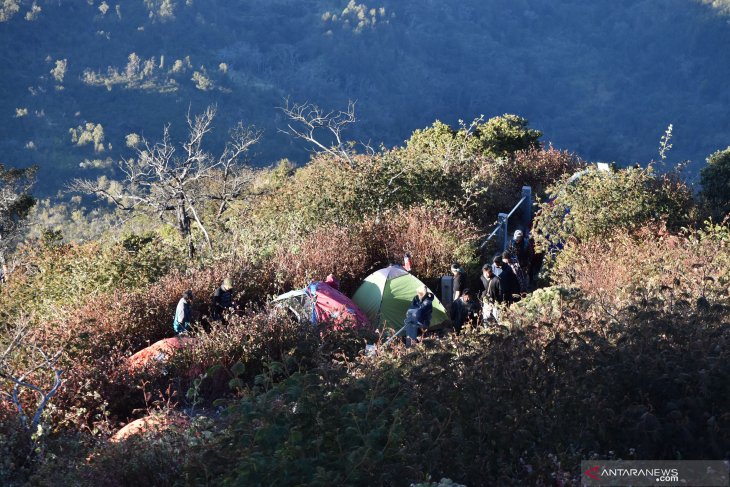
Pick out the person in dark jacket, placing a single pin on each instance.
(459, 283)
(485, 278)
(507, 280)
(492, 297)
(183, 314)
(418, 316)
(521, 252)
(462, 310)
(222, 299)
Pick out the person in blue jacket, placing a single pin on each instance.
(183, 315)
(418, 316)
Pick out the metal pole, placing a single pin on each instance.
(503, 217)
(527, 208)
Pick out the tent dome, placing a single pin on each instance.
(386, 295)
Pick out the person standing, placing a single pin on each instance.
(517, 269)
(183, 315)
(507, 280)
(459, 282)
(492, 297)
(222, 299)
(418, 316)
(521, 252)
(485, 278)
(461, 310)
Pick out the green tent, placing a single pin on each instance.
(386, 295)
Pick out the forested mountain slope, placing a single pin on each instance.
(601, 78)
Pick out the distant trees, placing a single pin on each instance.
(88, 133)
(15, 204)
(8, 8)
(175, 184)
(59, 70)
(715, 180)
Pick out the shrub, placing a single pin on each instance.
(519, 408)
(434, 236)
(599, 203)
(715, 181)
(650, 265)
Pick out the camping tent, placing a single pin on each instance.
(158, 354)
(386, 295)
(320, 302)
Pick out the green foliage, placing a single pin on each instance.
(51, 274)
(497, 137)
(600, 202)
(715, 181)
(536, 60)
(487, 408)
(16, 203)
(505, 135)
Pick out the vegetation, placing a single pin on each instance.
(637, 280)
(715, 180)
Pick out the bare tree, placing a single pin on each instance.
(15, 204)
(176, 184)
(37, 363)
(309, 122)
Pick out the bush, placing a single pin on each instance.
(715, 181)
(50, 275)
(519, 408)
(650, 265)
(434, 236)
(599, 203)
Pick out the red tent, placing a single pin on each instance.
(330, 305)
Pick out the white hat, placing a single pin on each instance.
(518, 234)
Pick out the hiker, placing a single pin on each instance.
(418, 315)
(183, 316)
(222, 299)
(462, 310)
(492, 297)
(459, 282)
(522, 278)
(332, 281)
(507, 280)
(485, 278)
(521, 252)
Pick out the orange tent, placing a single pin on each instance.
(154, 422)
(159, 353)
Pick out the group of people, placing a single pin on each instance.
(221, 300)
(504, 281)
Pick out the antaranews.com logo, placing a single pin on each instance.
(636, 473)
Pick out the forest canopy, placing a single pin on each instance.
(601, 79)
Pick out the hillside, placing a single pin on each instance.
(618, 348)
(603, 79)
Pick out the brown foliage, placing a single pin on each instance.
(434, 237)
(650, 265)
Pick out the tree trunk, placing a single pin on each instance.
(183, 225)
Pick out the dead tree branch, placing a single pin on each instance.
(307, 121)
(39, 362)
